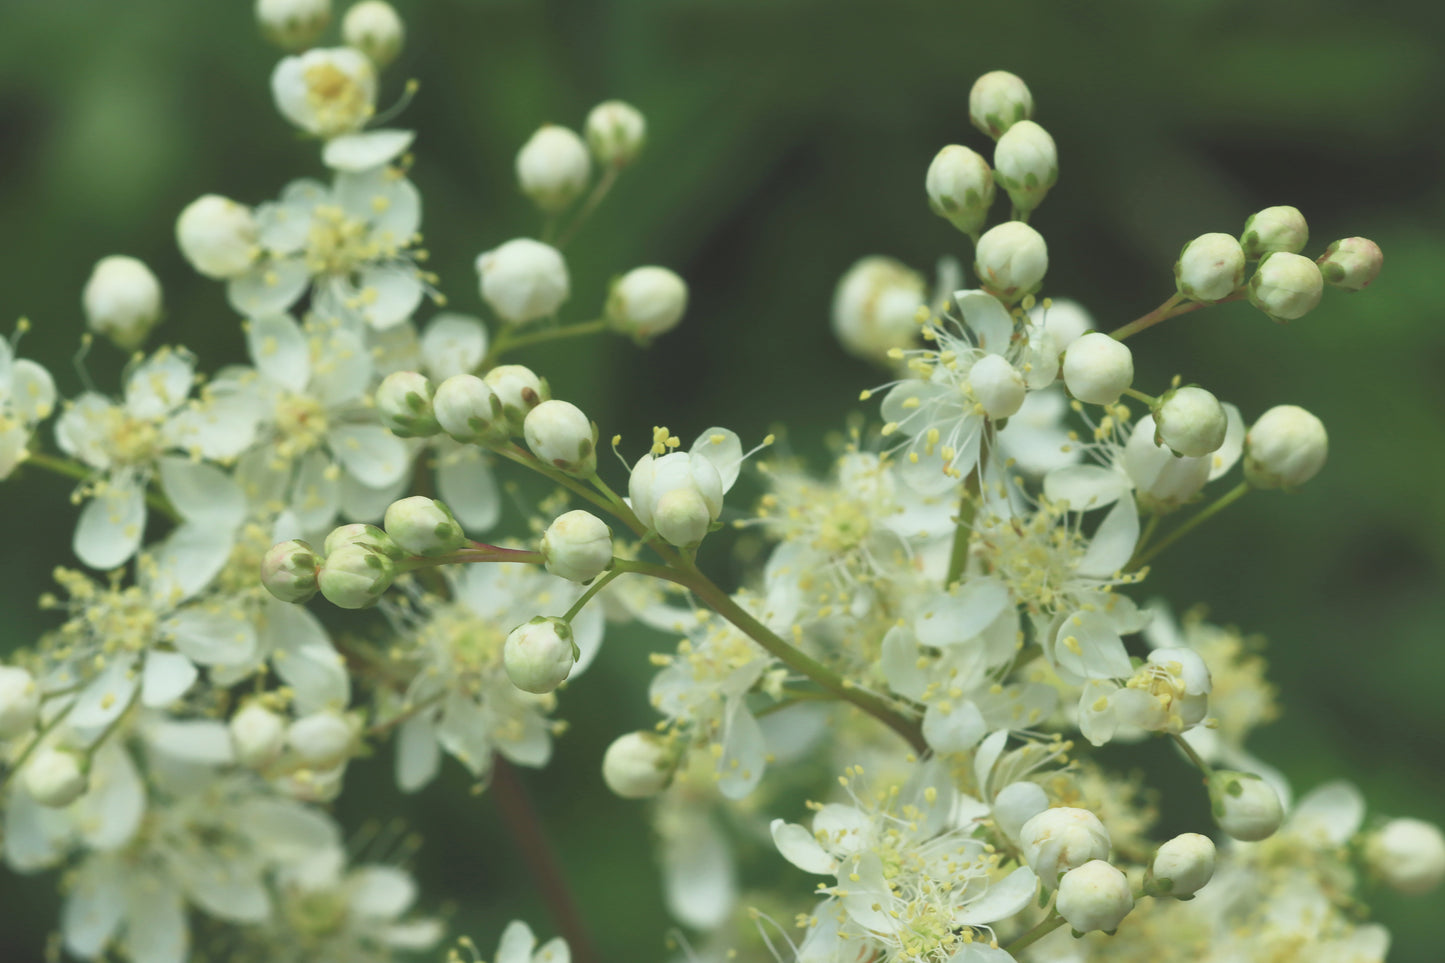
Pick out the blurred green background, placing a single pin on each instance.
(787, 139)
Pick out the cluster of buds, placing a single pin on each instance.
(554, 167)
(1068, 849)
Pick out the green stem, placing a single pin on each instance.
(34, 744)
(604, 185)
(382, 728)
(963, 532)
(1221, 503)
(1149, 528)
(1041, 929)
(506, 341)
(1149, 400)
(527, 459)
(74, 469)
(592, 590)
(794, 697)
(1194, 757)
(690, 577)
(1172, 308)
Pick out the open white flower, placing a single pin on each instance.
(27, 397)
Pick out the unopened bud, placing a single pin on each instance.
(122, 300)
(560, 435)
(1209, 268)
(524, 280)
(19, 701)
(289, 571)
(637, 765)
(322, 739)
(519, 390)
(875, 307)
(616, 131)
(1026, 164)
(539, 654)
(56, 777)
(553, 168)
(577, 546)
(1191, 421)
(1285, 448)
(423, 526)
(1245, 806)
(682, 517)
(1097, 368)
(374, 28)
(998, 386)
(1286, 286)
(1274, 229)
(1351, 263)
(1181, 867)
(646, 302)
(1162, 481)
(467, 410)
(1095, 896)
(404, 402)
(1011, 260)
(997, 101)
(257, 735)
(367, 536)
(960, 188)
(218, 236)
(293, 24)
(354, 576)
(1408, 854)
(1059, 839)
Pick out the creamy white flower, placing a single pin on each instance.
(326, 91)
(876, 306)
(27, 397)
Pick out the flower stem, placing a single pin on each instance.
(1172, 308)
(1220, 503)
(604, 186)
(592, 590)
(74, 469)
(1041, 929)
(1193, 756)
(506, 341)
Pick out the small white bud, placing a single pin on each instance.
(404, 403)
(466, 409)
(1162, 481)
(539, 654)
(681, 517)
(1059, 839)
(1285, 448)
(354, 576)
(289, 570)
(218, 236)
(577, 546)
(1191, 421)
(122, 300)
(1182, 866)
(1351, 263)
(1286, 286)
(56, 777)
(326, 91)
(997, 101)
(875, 307)
(293, 24)
(257, 735)
(678, 495)
(960, 188)
(1026, 164)
(616, 131)
(637, 765)
(646, 302)
(1209, 268)
(1011, 260)
(998, 386)
(322, 739)
(553, 168)
(523, 280)
(1408, 854)
(374, 28)
(366, 536)
(1245, 806)
(519, 390)
(1274, 229)
(423, 526)
(19, 701)
(1097, 368)
(559, 434)
(1095, 896)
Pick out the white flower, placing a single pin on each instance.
(518, 945)
(327, 91)
(876, 305)
(1168, 693)
(27, 397)
(679, 495)
(218, 236)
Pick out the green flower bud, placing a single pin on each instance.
(424, 526)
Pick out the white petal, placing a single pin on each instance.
(156, 930)
(899, 663)
(315, 491)
(381, 892)
(270, 287)
(413, 935)
(744, 757)
(1222, 460)
(36, 837)
(109, 814)
(724, 449)
(108, 695)
(110, 527)
(32, 391)
(225, 887)
(554, 950)
(418, 757)
(304, 658)
(186, 562)
(82, 430)
(800, 847)
(205, 742)
(372, 454)
(516, 945)
(359, 152)
(1003, 899)
(987, 318)
(699, 878)
(288, 831)
(1085, 486)
(160, 383)
(466, 483)
(1088, 647)
(453, 344)
(202, 493)
(340, 368)
(391, 204)
(167, 677)
(362, 504)
(957, 730)
(463, 733)
(212, 634)
(960, 615)
(389, 294)
(1329, 814)
(843, 828)
(988, 753)
(1113, 543)
(279, 350)
(94, 908)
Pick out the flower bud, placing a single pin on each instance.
(518, 390)
(1408, 854)
(1059, 839)
(1191, 421)
(1286, 286)
(1285, 448)
(681, 517)
(56, 777)
(1274, 229)
(646, 302)
(367, 536)
(293, 24)
(1209, 268)
(553, 168)
(637, 765)
(423, 526)
(997, 101)
(539, 654)
(218, 236)
(1011, 260)
(467, 410)
(678, 495)
(998, 386)
(960, 188)
(1351, 263)
(404, 402)
(122, 300)
(326, 91)
(1245, 806)
(616, 132)
(523, 280)
(354, 576)
(19, 701)
(577, 546)
(289, 570)
(257, 735)
(1182, 866)
(374, 28)
(1162, 481)
(561, 436)
(1026, 164)
(1094, 896)
(1097, 368)
(875, 307)
(322, 739)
